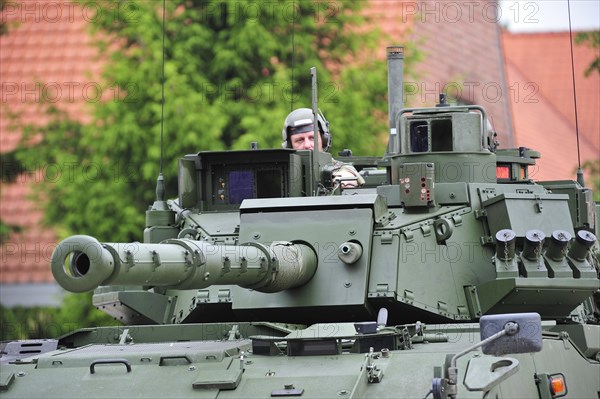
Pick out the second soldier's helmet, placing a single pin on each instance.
(300, 121)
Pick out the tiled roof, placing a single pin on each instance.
(26, 255)
(47, 52)
(538, 67)
(462, 53)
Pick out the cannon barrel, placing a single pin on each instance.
(80, 263)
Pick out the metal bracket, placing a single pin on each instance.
(486, 240)
(129, 261)
(374, 373)
(234, 333)
(457, 219)
(385, 219)
(539, 207)
(155, 259)
(224, 295)
(473, 301)
(226, 265)
(484, 373)
(426, 230)
(565, 338)
(480, 213)
(288, 390)
(386, 237)
(125, 338)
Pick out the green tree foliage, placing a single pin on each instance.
(592, 39)
(45, 322)
(6, 229)
(3, 24)
(228, 82)
(592, 167)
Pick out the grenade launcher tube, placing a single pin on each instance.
(81, 263)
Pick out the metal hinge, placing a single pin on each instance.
(386, 237)
(480, 213)
(565, 338)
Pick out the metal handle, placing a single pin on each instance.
(110, 361)
(163, 359)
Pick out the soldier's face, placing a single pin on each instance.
(305, 141)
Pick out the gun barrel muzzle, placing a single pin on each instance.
(81, 263)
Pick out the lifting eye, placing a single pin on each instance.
(443, 229)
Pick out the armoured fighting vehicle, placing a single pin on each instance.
(449, 273)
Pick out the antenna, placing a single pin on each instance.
(579, 171)
(315, 110)
(160, 181)
(293, 54)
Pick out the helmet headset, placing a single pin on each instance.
(301, 121)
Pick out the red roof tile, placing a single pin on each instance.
(26, 254)
(34, 59)
(541, 127)
(40, 54)
(539, 71)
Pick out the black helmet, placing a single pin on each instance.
(300, 121)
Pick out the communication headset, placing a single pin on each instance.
(304, 117)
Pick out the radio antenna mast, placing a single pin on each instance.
(315, 110)
(160, 181)
(293, 55)
(579, 171)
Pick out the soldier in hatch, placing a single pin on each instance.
(298, 134)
